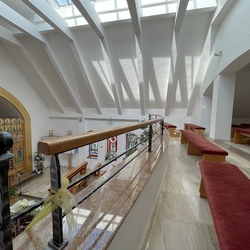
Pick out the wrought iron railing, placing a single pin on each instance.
(55, 147)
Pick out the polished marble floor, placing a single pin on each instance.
(182, 219)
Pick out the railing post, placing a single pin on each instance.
(55, 179)
(150, 134)
(6, 142)
(162, 126)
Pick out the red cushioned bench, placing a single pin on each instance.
(171, 129)
(227, 190)
(196, 128)
(233, 127)
(198, 145)
(245, 125)
(241, 135)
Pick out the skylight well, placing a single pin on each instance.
(62, 3)
(117, 10)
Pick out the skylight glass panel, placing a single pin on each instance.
(114, 16)
(152, 2)
(159, 9)
(116, 10)
(62, 3)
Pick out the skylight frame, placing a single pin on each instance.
(60, 4)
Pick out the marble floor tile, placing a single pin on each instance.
(173, 185)
(188, 175)
(172, 208)
(158, 223)
(208, 236)
(200, 209)
(155, 242)
(182, 236)
(191, 188)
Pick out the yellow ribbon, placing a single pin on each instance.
(61, 199)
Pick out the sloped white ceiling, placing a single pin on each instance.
(143, 63)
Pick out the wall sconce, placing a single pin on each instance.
(218, 54)
(80, 118)
(69, 132)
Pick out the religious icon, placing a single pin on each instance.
(111, 148)
(132, 140)
(112, 144)
(19, 152)
(7, 128)
(93, 150)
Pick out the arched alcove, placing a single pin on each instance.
(27, 128)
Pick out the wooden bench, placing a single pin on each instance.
(198, 145)
(84, 183)
(227, 190)
(82, 169)
(233, 127)
(241, 136)
(196, 128)
(171, 129)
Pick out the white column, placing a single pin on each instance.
(222, 106)
(206, 106)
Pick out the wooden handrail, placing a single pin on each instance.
(65, 143)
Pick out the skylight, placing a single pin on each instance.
(62, 3)
(117, 10)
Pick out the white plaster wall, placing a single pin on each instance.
(222, 107)
(15, 82)
(178, 117)
(206, 106)
(196, 115)
(231, 40)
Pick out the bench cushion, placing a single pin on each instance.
(242, 130)
(193, 126)
(236, 126)
(245, 125)
(228, 193)
(168, 125)
(202, 144)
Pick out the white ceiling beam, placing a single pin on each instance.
(181, 10)
(19, 22)
(173, 80)
(28, 28)
(86, 75)
(222, 11)
(46, 12)
(139, 56)
(134, 13)
(112, 77)
(89, 13)
(63, 78)
(169, 89)
(200, 72)
(135, 17)
(7, 36)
